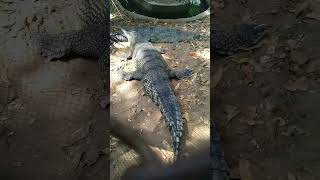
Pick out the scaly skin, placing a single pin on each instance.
(90, 41)
(157, 34)
(155, 75)
(228, 42)
(219, 168)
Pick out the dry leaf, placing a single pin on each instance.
(300, 84)
(305, 6)
(177, 86)
(231, 112)
(241, 61)
(193, 53)
(186, 116)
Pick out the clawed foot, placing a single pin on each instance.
(180, 74)
(162, 50)
(126, 76)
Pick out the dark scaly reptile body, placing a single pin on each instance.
(90, 41)
(227, 42)
(157, 34)
(219, 167)
(155, 75)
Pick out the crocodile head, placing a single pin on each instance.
(133, 37)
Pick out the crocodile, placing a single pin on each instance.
(219, 168)
(240, 37)
(91, 40)
(157, 34)
(155, 75)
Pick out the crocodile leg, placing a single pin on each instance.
(180, 74)
(53, 46)
(88, 42)
(128, 76)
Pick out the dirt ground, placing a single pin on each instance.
(51, 124)
(266, 100)
(129, 104)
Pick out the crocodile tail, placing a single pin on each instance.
(172, 114)
(218, 163)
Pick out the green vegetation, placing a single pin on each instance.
(194, 7)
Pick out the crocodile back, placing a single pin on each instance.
(93, 12)
(155, 78)
(227, 42)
